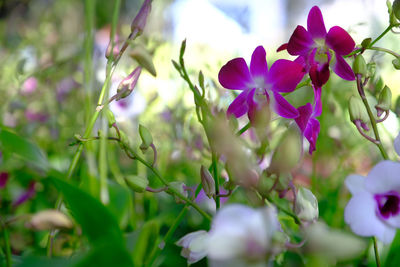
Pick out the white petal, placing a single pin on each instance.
(397, 144)
(355, 183)
(384, 177)
(360, 214)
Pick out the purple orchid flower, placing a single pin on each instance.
(3, 179)
(307, 122)
(374, 209)
(318, 49)
(25, 196)
(260, 85)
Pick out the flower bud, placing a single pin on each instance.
(146, 137)
(179, 187)
(115, 50)
(396, 9)
(143, 57)
(357, 110)
(124, 138)
(207, 181)
(127, 85)
(139, 22)
(396, 63)
(110, 118)
(306, 205)
(194, 246)
(384, 101)
(288, 152)
(359, 66)
(397, 106)
(371, 69)
(137, 183)
(49, 219)
(365, 43)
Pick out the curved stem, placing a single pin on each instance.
(381, 49)
(361, 131)
(377, 259)
(384, 118)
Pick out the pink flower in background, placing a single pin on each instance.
(3, 179)
(374, 209)
(258, 84)
(28, 194)
(29, 86)
(319, 50)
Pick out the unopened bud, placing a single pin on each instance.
(137, 183)
(179, 187)
(357, 110)
(306, 205)
(146, 137)
(384, 101)
(287, 155)
(371, 69)
(396, 9)
(379, 84)
(143, 57)
(49, 219)
(110, 118)
(127, 85)
(183, 48)
(115, 50)
(359, 66)
(124, 138)
(365, 43)
(207, 181)
(396, 63)
(139, 22)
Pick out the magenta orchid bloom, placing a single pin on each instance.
(307, 122)
(260, 85)
(318, 49)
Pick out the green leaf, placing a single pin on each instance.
(393, 257)
(120, 202)
(107, 255)
(146, 242)
(97, 222)
(23, 148)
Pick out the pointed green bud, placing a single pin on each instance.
(365, 43)
(177, 187)
(124, 138)
(359, 66)
(201, 79)
(207, 181)
(137, 183)
(384, 101)
(176, 65)
(396, 9)
(144, 58)
(306, 205)
(183, 47)
(288, 152)
(139, 22)
(110, 117)
(396, 63)
(379, 84)
(146, 137)
(357, 110)
(371, 69)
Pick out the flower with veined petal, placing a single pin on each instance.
(258, 84)
(318, 50)
(374, 209)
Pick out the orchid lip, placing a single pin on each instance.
(388, 204)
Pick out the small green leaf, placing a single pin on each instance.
(23, 148)
(393, 257)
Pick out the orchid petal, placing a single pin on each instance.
(304, 115)
(315, 23)
(343, 69)
(300, 42)
(239, 106)
(282, 47)
(355, 183)
(285, 75)
(258, 64)
(235, 74)
(319, 75)
(383, 177)
(311, 133)
(360, 214)
(283, 108)
(317, 101)
(339, 41)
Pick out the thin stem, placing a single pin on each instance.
(381, 49)
(7, 244)
(371, 117)
(243, 129)
(216, 179)
(377, 259)
(294, 216)
(361, 131)
(384, 117)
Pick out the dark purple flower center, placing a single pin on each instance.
(388, 204)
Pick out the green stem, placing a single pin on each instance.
(216, 178)
(165, 182)
(157, 250)
(243, 129)
(294, 216)
(371, 117)
(384, 50)
(377, 259)
(7, 244)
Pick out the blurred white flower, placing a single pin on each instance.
(194, 246)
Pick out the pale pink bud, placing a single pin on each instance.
(139, 22)
(29, 86)
(127, 85)
(115, 51)
(207, 182)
